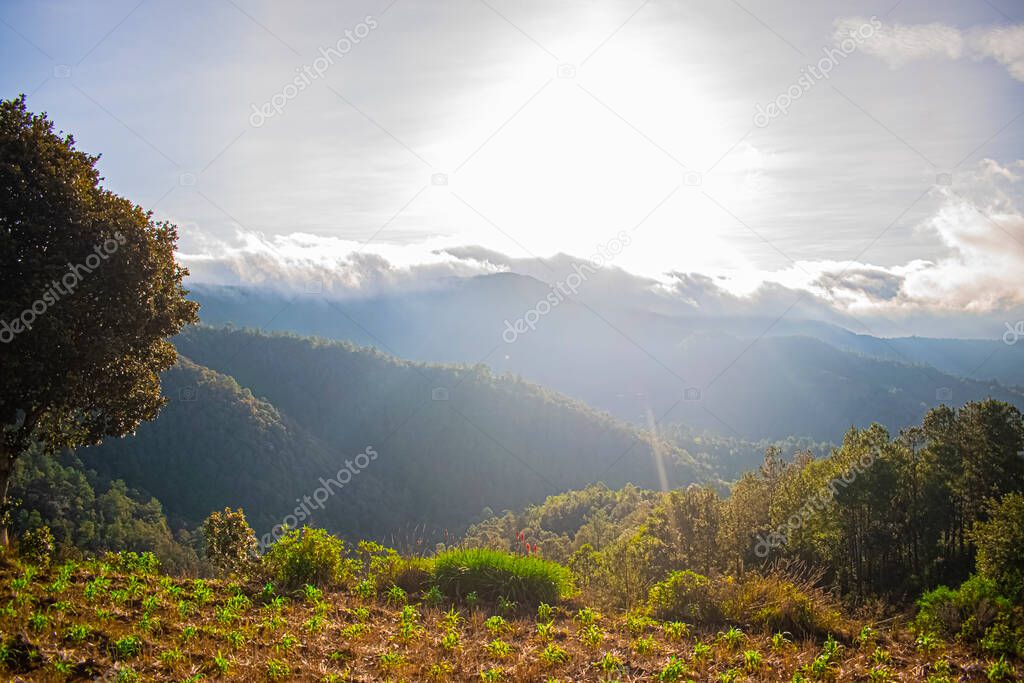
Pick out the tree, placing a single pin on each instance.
(89, 293)
(999, 542)
(230, 541)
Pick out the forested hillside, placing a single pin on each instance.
(263, 418)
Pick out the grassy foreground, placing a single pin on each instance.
(127, 622)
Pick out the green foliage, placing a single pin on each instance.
(1000, 542)
(37, 546)
(125, 298)
(493, 574)
(307, 556)
(684, 596)
(230, 541)
(965, 613)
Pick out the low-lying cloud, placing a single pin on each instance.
(979, 223)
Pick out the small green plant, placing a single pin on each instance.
(391, 659)
(545, 613)
(673, 671)
(586, 617)
(450, 640)
(752, 661)
(492, 674)
(433, 597)
(591, 635)
(221, 663)
(201, 592)
(780, 641)
(38, 621)
(278, 670)
(440, 671)
(127, 647)
(880, 656)
(355, 630)
(499, 648)
(545, 630)
(553, 655)
(610, 663)
(497, 625)
(676, 630)
(879, 674)
(170, 658)
(728, 676)
(78, 632)
(287, 643)
(311, 594)
(366, 589)
(732, 638)
(505, 606)
(396, 596)
(927, 642)
(1001, 670)
(452, 618)
(645, 645)
(701, 651)
(236, 639)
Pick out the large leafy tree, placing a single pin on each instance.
(89, 293)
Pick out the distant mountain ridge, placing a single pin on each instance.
(747, 377)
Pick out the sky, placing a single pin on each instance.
(866, 154)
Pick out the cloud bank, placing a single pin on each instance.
(979, 223)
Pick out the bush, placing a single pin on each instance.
(37, 546)
(230, 541)
(684, 596)
(413, 574)
(492, 574)
(780, 604)
(999, 542)
(965, 613)
(307, 556)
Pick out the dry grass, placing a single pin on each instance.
(74, 626)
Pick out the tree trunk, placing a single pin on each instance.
(6, 470)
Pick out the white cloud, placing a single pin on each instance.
(898, 44)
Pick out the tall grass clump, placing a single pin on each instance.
(492, 574)
(307, 556)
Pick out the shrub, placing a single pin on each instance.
(307, 556)
(999, 542)
(964, 613)
(230, 541)
(778, 604)
(684, 596)
(413, 574)
(37, 546)
(492, 574)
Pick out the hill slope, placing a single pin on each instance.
(451, 441)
